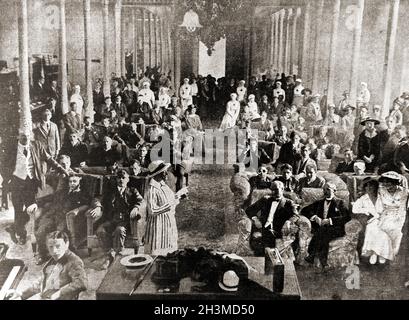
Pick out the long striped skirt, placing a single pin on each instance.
(161, 234)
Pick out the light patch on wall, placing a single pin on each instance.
(214, 64)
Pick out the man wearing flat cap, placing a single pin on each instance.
(369, 144)
(328, 218)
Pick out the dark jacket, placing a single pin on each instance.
(73, 278)
(286, 209)
(369, 146)
(337, 212)
(300, 165)
(117, 208)
(289, 155)
(77, 153)
(344, 167)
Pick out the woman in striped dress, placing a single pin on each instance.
(161, 234)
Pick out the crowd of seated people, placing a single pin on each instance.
(305, 130)
(311, 136)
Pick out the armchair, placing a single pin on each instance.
(135, 237)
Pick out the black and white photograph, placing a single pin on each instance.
(213, 151)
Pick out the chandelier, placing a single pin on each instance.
(208, 19)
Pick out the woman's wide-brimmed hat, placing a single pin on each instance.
(157, 167)
(391, 176)
(370, 120)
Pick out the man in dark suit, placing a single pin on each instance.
(290, 152)
(53, 91)
(301, 164)
(39, 92)
(109, 154)
(30, 160)
(401, 154)
(47, 133)
(287, 178)
(76, 150)
(275, 211)
(253, 156)
(63, 276)
(121, 205)
(328, 217)
(348, 164)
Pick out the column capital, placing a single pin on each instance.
(118, 4)
(289, 12)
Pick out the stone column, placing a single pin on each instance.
(155, 40)
(177, 62)
(107, 89)
(287, 46)
(294, 49)
(63, 59)
(280, 68)
(25, 116)
(305, 41)
(122, 52)
(390, 47)
(162, 49)
(143, 37)
(150, 39)
(317, 49)
(89, 109)
(118, 7)
(333, 50)
(353, 85)
(135, 39)
(276, 40)
(272, 40)
(404, 80)
(170, 49)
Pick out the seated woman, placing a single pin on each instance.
(384, 230)
(192, 120)
(253, 108)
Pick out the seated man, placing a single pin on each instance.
(275, 211)
(301, 164)
(290, 152)
(56, 207)
(121, 205)
(262, 180)
(348, 164)
(253, 156)
(287, 178)
(311, 180)
(63, 277)
(108, 154)
(76, 150)
(91, 132)
(58, 180)
(328, 217)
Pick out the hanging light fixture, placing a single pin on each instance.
(191, 21)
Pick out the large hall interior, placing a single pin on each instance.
(247, 133)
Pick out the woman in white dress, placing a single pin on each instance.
(164, 98)
(232, 113)
(241, 91)
(253, 108)
(186, 95)
(387, 213)
(161, 234)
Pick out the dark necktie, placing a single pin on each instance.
(25, 152)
